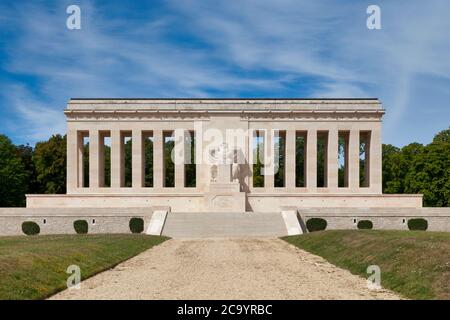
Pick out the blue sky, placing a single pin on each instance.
(257, 48)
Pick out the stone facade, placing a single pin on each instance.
(224, 131)
(224, 135)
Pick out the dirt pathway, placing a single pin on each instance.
(225, 269)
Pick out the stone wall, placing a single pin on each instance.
(382, 218)
(60, 221)
(116, 220)
(195, 202)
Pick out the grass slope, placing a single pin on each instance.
(415, 264)
(35, 267)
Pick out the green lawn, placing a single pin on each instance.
(415, 264)
(35, 267)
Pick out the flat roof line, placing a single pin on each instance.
(212, 99)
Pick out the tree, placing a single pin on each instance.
(258, 177)
(169, 166)
(26, 154)
(429, 171)
(50, 162)
(13, 176)
(279, 178)
(300, 146)
(420, 169)
(392, 181)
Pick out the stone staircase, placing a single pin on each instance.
(224, 225)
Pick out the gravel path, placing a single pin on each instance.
(225, 269)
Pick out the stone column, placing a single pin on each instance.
(116, 159)
(179, 158)
(290, 159)
(375, 161)
(94, 163)
(158, 161)
(311, 159)
(73, 157)
(269, 159)
(137, 159)
(333, 145)
(353, 149)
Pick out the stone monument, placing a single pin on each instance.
(224, 193)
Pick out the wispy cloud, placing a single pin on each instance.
(222, 48)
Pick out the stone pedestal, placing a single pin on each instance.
(224, 195)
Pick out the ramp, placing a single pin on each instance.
(157, 221)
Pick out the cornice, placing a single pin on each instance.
(250, 115)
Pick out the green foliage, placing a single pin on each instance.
(417, 224)
(414, 168)
(136, 225)
(365, 224)
(49, 159)
(420, 169)
(413, 263)
(341, 162)
(148, 151)
(300, 161)
(81, 226)
(13, 175)
(169, 166)
(86, 165)
(258, 177)
(316, 224)
(34, 267)
(279, 177)
(26, 154)
(107, 156)
(191, 168)
(127, 163)
(321, 153)
(30, 228)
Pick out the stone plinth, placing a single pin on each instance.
(224, 201)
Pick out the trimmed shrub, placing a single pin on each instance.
(81, 226)
(316, 224)
(417, 224)
(30, 228)
(365, 224)
(136, 225)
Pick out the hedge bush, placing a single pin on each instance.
(316, 224)
(365, 224)
(81, 226)
(30, 228)
(417, 224)
(136, 225)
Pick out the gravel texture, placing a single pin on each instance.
(225, 269)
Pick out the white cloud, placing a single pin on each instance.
(247, 46)
(38, 120)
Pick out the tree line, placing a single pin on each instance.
(415, 168)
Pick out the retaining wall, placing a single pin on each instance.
(60, 221)
(382, 218)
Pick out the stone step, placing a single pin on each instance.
(222, 225)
